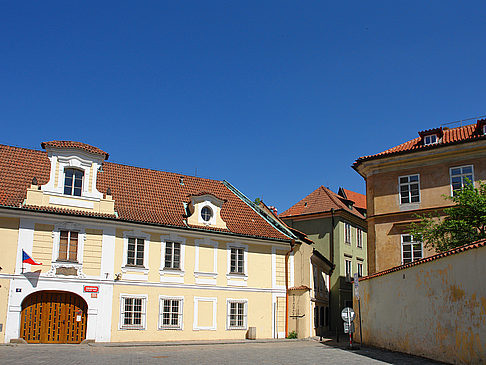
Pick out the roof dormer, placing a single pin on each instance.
(205, 210)
(72, 178)
(481, 127)
(431, 136)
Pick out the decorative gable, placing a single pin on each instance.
(205, 210)
(72, 179)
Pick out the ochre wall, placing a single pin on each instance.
(436, 309)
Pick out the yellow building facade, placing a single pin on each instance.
(131, 254)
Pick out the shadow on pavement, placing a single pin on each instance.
(386, 356)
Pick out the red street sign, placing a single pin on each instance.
(91, 289)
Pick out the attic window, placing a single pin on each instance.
(305, 204)
(73, 182)
(430, 139)
(484, 129)
(206, 213)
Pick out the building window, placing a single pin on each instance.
(170, 313)
(484, 129)
(411, 249)
(206, 213)
(460, 177)
(73, 182)
(347, 264)
(347, 233)
(237, 313)
(430, 139)
(172, 255)
(409, 189)
(359, 240)
(68, 246)
(316, 316)
(360, 269)
(237, 260)
(321, 317)
(133, 312)
(135, 252)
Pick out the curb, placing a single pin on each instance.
(189, 343)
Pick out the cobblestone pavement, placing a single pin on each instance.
(297, 352)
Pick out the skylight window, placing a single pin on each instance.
(430, 139)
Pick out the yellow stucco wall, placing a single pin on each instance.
(42, 246)
(436, 309)
(92, 252)
(259, 314)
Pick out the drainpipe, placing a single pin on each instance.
(292, 246)
(331, 249)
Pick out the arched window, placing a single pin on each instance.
(73, 182)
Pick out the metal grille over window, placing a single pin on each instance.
(237, 315)
(73, 182)
(409, 189)
(171, 314)
(237, 260)
(135, 251)
(172, 255)
(68, 246)
(133, 313)
(461, 177)
(411, 249)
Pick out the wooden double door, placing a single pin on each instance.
(53, 317)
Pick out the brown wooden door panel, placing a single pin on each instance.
(53, 317)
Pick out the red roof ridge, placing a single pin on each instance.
(453, 251)
(77, 145)
(450, 136)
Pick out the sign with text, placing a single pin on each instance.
(91, 289)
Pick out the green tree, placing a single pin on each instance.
(465, 222)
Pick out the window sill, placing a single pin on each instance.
(141, 269)
(170, 328)
(235, 275)
(236, 329)
(132, 328)
(167, 270)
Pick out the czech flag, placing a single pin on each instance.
(27, 259)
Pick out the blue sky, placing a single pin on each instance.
(276, 97)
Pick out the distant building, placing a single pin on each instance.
(412, 178)
(338, 228)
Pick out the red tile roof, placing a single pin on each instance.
(462, 134)
(75, 145)
(358, 199)
(319, 201)
(477, 244)
(141, 195)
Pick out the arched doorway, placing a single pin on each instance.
(53, 317)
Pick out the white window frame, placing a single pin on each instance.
(167, 274)
(144, 298)
(195, 326)
(412, 242)
(245, 314)
(180, 325)
(146, 238)
(347, 233)
(408, 183)
(359, 237)
(346, 266)
(359, 265)
(237, 245)
(428, 139)
(462, 175)
(484, 129)
(57, 239)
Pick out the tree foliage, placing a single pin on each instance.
(465, 222)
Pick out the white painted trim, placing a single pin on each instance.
(181, 309)
(245, 314)
(195, 326)
(460, 167)
(291, 270)
(25, 242)
(76, 202)
(144, 311)
(236, 244)
(108, 253)
(146, 246)
(408, 183)
(172, 237)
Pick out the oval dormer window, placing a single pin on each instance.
(73, 182)
(206, 213)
